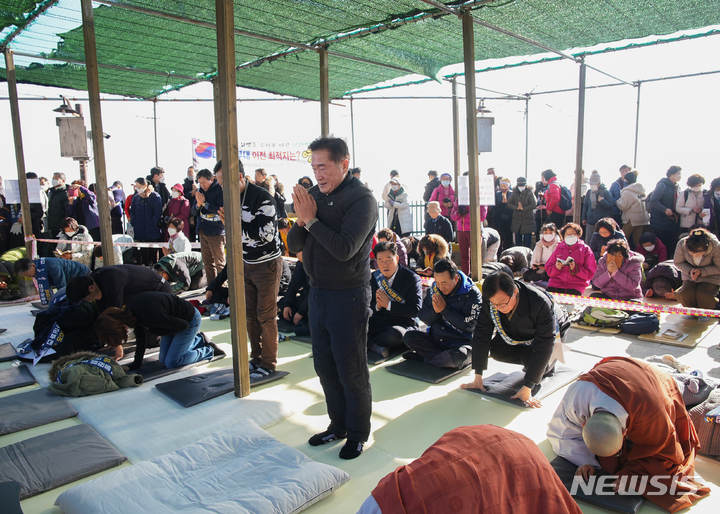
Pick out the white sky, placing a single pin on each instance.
(678, 124)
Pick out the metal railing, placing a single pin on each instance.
(418, 215)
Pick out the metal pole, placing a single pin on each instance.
(324, 93)
(527, 133)
(472, 144)
(352, 130)
(227, 125)
(637, 124)
(155, 130)
(96, 129)
(456, 131)
(19, 153)
(580, 137)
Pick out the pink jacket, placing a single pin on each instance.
(463, 222)
(179, 208)
(441, 192)
(625, 284)
(585, 266)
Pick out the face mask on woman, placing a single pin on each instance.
(446, 183)
(594, 187)
(140, 190)
(649, 248)
(69, 234)
(175, 194)
(549, 237)
(696, 189)
(571, 240)
(171, 231)
(521, 188)
(395, 188)
(717, 195)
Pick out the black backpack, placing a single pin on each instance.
(565, 198)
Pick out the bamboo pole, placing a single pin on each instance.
(96, 128)
(472, 144)
(19, 153)
(226, 125)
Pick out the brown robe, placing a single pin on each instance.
(478, 469)
(663, 438)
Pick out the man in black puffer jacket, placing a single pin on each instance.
(334, 230)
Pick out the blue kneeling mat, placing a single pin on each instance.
(32, 409)
(196, 389)
(12, 378)
(7, 352)
(423, 371)
(625, 503)
(50, 460)
(502, 386)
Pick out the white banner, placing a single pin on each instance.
(463, 190)
(275, 157)
(487, 190)
(12, 191)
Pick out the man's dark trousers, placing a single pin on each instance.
(339, 326)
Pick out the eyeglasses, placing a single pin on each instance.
(504, 304)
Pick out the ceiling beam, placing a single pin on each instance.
(31, 18)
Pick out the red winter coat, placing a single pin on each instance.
(179, 208)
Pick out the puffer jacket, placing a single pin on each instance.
(179, 208)
(86, 373)
(87, 202)
(625, 284)
(597, 241)
(632, 208)
(182, 267)
(685, 207)
(402, 208)
(523, 220)
(145, 214)
(463, 220)
(441, 192)
(456, 324)
(542, 253)
(709, 264)
(585, 266)
(663, 197)
(80, 253)
(603, 205)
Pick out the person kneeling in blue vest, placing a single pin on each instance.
(450, 310)
(57, 271)
(175, 320)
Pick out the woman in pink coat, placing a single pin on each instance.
(444, 194)
(572, 264)
(619, 273)
(178, 207)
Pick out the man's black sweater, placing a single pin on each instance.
(336, 249)
(122, 282)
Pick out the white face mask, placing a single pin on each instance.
(140, 190)
(717, 195)
(697, 189)
(649, 248)
(171, 231)
(446, 183)
(70, 234)
(162, 180)
(594, 187)
(571, 240)
(395, 188)
(521, 188)
(55, 182)
(549, 237)
(175, 194)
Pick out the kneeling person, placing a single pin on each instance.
(185, 271)
(527, 322)
(450, 310)
(394, 302)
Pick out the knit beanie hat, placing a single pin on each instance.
(595, 178)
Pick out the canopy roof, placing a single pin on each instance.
(149, 47)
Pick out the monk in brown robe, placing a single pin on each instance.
(474, 469)
(633, 423)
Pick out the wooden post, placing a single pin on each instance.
(19, 153)
(157, 163)
(456, 132)
(324, 93)
(637, 125)
(101, 190)
(226, 125)
(472, 145)
(579, 150)
(218, 133)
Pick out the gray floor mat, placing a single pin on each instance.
(10, 498)
(376, 358)
(502, 386)
(32, 409)
(7, 352)
(12, 378)
(425, 372)
(196, 389)
(152, 368)
(50, 460)
(625, 503)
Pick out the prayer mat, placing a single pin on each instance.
(196, 389)
(39, 305)
(303, 339)
(423, 371)
(376, 358)
(625, 503)
(32, 409)
(7, 352)
(10, 498)
(12, 378)
(502, 386)
(693, 331)
(50, 460)
(285, 326)
(153, 369)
